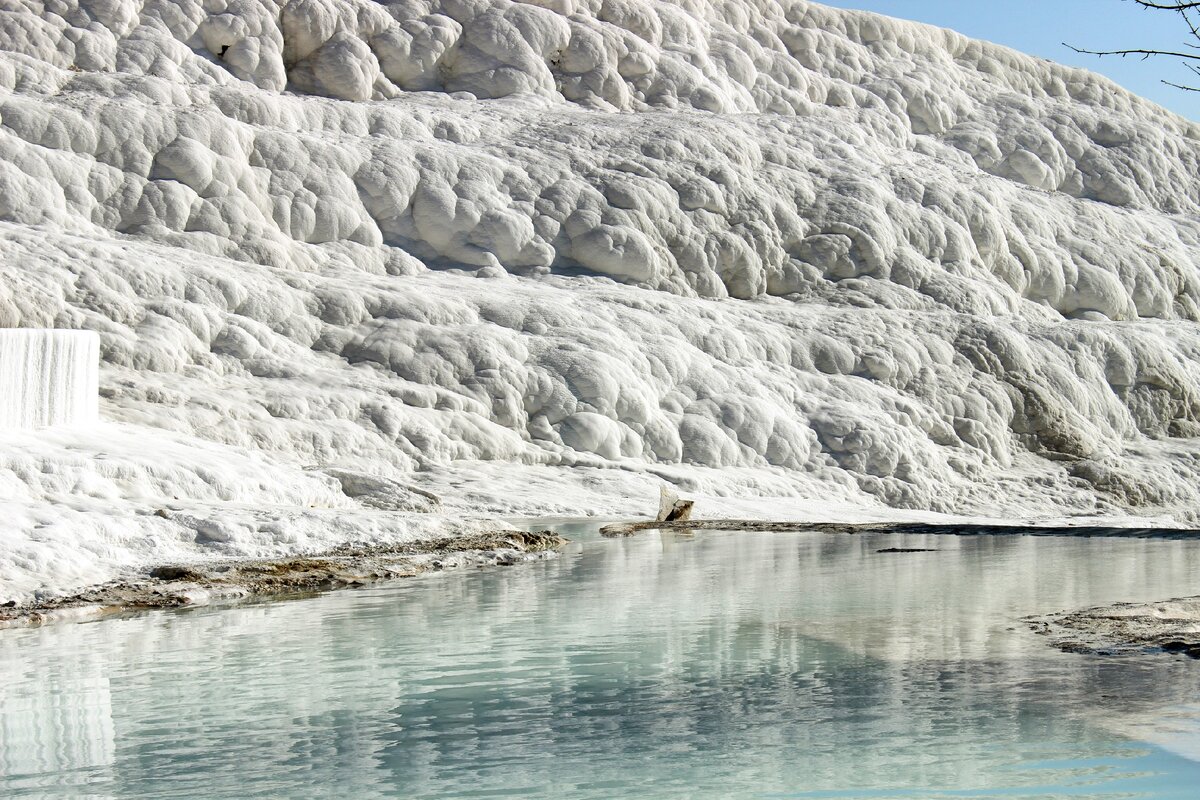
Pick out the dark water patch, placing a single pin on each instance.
(618, 529)
(1075, 531)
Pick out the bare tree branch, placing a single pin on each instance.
(1167, 6)
(1189, 10)
(1187, 18)
(1143, 53)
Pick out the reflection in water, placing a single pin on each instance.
(721, 665)
(55, 716)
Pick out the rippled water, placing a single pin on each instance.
(720, 666)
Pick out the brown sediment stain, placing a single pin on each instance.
(176, 586)
(1165, 626)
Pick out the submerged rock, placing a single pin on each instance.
(1169, 626)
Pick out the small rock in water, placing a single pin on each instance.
(671, 508)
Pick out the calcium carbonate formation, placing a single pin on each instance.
(48, 377)
(750, 248)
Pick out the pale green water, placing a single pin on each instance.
(721, 666)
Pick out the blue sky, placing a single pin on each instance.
(1040, 26)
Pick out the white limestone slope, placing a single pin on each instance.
(762, 249)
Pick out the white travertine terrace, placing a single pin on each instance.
(757, 249)
(48, 377)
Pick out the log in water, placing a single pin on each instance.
(48, 377)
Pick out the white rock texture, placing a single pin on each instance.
(750, 247)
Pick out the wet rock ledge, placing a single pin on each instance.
(174, 586)
(1168, 626)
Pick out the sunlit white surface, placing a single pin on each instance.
(541, 257)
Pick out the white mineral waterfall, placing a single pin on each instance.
(48, 377)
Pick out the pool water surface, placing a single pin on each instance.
(718, 665)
